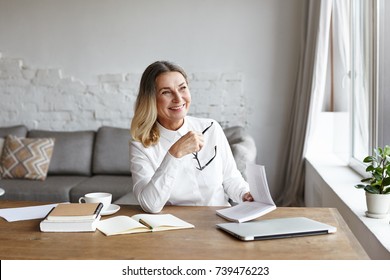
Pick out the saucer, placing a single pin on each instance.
(376, 216)
(113, 208)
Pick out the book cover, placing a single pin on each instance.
(141, 223)
(75, 212)
(262, 204)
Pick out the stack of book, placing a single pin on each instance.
(72, 217)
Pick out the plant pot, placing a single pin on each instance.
(378, 205)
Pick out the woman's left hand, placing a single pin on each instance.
(247, 197)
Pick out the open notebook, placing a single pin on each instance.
(276, 228)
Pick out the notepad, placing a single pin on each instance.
(262, 204)
(141, 223)
(276, 228)
(75, 211)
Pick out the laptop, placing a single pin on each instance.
(276, 228)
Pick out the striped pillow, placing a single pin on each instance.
(26, 158)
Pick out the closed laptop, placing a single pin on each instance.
(276, 228)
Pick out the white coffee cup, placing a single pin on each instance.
(97, 197)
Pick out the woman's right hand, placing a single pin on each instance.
(192, 142)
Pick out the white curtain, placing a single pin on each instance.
(308, 99)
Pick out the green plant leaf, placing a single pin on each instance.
(378, 176)
(360, 186)
(368, 159)
(366, 180)
(386, 150)
(371, 189)
(386, 181)
(370, 168)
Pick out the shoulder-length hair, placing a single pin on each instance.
(144, 124)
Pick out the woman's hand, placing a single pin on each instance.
(192, 142)
(247, 197)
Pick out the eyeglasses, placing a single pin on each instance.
(200, 167)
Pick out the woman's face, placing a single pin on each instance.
(173, 99)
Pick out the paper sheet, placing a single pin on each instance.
(258, 185)
(26, 213)
(262, 204)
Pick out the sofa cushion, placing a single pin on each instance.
(111, 152)
(116, 185)
(17, 130)
(72, 153)
(53, 189)
(26, 158)
(242, 145)
(127, 199)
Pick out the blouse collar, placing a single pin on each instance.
(173, 135)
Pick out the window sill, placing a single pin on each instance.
(330, 182)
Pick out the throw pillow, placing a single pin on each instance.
(26, 158)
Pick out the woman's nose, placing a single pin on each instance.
(176, 96)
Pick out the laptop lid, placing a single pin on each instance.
(276, 228)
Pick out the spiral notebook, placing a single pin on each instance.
(276, 228)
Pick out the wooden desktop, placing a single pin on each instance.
(23, 240)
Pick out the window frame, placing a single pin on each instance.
(376, 25)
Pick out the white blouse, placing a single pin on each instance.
(159, 178)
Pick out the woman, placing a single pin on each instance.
(174, 158)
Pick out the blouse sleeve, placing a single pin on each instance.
(152, 187)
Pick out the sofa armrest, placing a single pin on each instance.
(243, 146)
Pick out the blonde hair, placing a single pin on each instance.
(144, 127)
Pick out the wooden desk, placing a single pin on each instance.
(23, 240)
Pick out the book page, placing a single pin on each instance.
(262, 204)
(120, 225)
(258, 184)
(245, 211)
(161, 221)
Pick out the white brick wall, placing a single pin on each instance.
(44, 99)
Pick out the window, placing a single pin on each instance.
(352, 88)
(383, 132)
(355, 112)
(363, 53)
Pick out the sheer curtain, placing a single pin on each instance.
(308, 97)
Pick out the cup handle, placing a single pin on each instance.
(82, 200)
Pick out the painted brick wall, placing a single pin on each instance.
(45, 99)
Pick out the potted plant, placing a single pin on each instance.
(377, 186)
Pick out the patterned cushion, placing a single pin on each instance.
(26, 158)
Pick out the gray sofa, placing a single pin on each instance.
(95, 161)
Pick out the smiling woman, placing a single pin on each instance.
(172, 158)
(173, 99)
